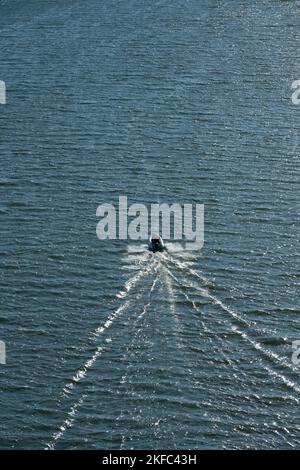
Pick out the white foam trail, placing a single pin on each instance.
(176, 250)
(81, 373)
(185, 266)
(111, 318)
(133, 281)
(135, 257)
(270, 354)
(169, 286)
(205, 329)
(68, 423)
(135, 260)
(153, 285)
(139, 317)
(202, 291)
(137, 248)
(130, 267)
(216, 338)
(136, 334)
(167, 278)
(205, 293)
(259, 347)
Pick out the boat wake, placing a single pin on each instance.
(143, 270)
(178, 277)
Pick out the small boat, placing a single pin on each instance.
(156, 243)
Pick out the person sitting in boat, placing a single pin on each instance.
(156, 243)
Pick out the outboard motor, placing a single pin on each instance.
(156, 244)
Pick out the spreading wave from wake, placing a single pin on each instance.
(80, 374)
(179, 276)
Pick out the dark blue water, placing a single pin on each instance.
(181, 101)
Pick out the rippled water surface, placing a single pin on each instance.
(109, 346)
